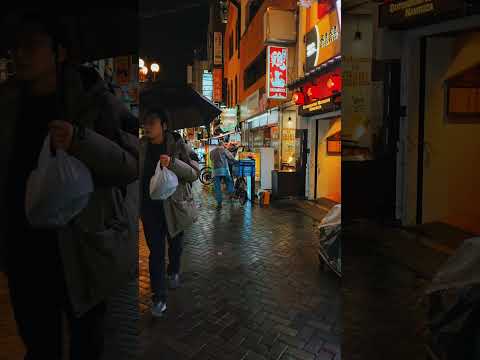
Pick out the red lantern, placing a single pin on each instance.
(334, 83)
(314, 92)
(298, 98)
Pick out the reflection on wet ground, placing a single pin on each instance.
(252, 289)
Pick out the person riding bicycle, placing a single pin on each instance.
(220, 160)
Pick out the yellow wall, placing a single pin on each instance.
(329, 166)
(451, 172)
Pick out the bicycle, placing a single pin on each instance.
(206, 176)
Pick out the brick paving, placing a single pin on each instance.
(385, 271)
(11, 347)
(251, 289)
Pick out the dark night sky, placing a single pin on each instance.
(171, 36)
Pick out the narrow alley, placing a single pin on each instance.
(250, 290)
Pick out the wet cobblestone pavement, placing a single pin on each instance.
(251, 289)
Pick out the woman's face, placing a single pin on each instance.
(154, 129)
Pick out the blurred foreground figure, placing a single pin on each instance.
(73, 270)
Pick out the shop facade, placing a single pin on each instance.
(437, 48)
(317, 97)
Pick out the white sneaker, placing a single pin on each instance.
(159, 309)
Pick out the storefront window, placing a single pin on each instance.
(289, 125)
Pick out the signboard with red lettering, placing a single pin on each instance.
(217, 84)
(277, 65)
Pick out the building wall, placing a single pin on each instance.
(451, 178)
(408, 153)
(232, 64)
(329, 166)
(252, 44)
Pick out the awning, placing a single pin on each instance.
(320, 70)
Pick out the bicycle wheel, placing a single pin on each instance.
(206, 177)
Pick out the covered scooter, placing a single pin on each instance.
(454, 306)
(330, 249)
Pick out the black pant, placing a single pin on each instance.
(40, 303)
(156, 234)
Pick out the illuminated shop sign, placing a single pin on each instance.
(277, 65)
(323, 41)
(207, 85)
(320, 106)
(217, 84)
(418, 12)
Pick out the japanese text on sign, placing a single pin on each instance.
(277, 72)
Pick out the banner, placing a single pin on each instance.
(217, 84)
(323, 42)
(408, 13)
(277, 66)
(122, 70)
(217, 48)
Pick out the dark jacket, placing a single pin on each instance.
(98, 248)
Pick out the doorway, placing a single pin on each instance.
(449, 151)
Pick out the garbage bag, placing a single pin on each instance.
(57, 190)
(163, 184)
(462, 269)
(333, 217)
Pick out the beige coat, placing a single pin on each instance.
(99, 247)
(179, 211)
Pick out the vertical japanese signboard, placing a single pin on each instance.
(217, 48)
(277, 66)
(122, 70)
(217, 84)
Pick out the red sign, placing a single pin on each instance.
(298, 98)
(217, 84)
(277, 65)
(322, 87)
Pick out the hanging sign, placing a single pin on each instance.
(217, 84)
(407, 13)
(217, 48)
(323, 41)
(277, 57)
(122, 73)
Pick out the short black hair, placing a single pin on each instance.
(50, 23)
(159, 113)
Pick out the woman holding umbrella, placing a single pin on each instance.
(75, 269)
(165, 219)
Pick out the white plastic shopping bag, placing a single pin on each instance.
(163, 184)
(57, 190)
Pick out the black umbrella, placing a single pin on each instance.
(94, 33)
(186, 107)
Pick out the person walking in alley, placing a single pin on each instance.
(221, 158)
(165, 220)
(75, 269)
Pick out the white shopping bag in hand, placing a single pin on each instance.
(163, 184)
(57, 190)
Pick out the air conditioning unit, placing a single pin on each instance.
(279, 26)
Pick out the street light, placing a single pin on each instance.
(155, 69)
(141, 63)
